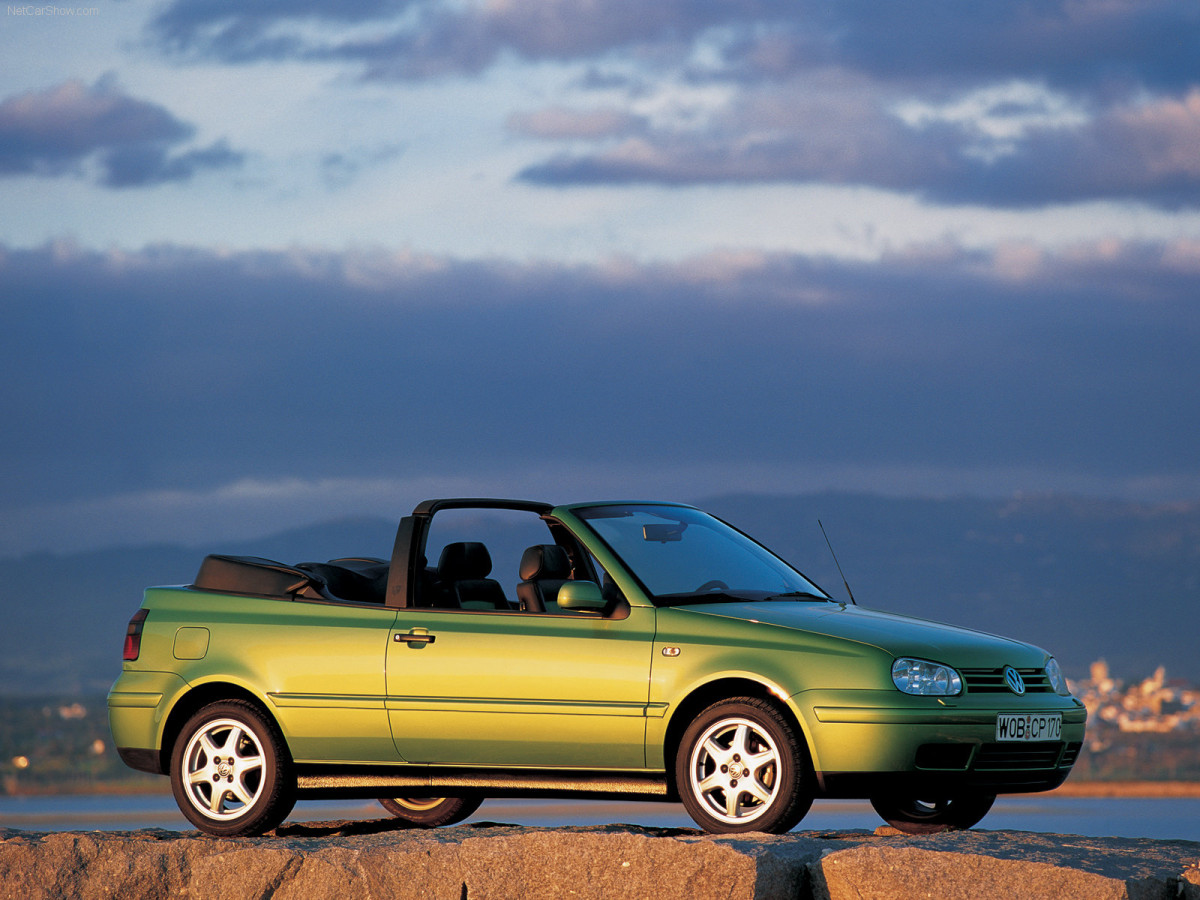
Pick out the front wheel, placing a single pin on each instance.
(914, 816)
(430, 812)
(230, 771)
(740, 767)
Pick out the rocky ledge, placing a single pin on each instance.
(350, 860)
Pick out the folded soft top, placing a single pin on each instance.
(355, 579)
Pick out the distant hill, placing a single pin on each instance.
(1082, 578)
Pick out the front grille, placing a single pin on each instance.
(1035, 755)
(1072, 753)
(991, 681)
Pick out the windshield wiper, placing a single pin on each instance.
(688, 599)
(798, 595)
(734, 596)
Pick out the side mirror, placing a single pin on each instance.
(581, 596)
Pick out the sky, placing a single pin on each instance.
(267, 264)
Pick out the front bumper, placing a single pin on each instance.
(869, 743)
(987, 771)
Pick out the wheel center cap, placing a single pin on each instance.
(736, 770)
(224, 770)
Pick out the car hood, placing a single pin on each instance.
(895, 634)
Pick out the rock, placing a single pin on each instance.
(1004, 864)
(1189, 882)
(351, 860)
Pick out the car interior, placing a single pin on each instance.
(460, 580)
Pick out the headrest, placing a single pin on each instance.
(545, 561)
(464, 560)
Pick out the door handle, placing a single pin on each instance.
(415, 638)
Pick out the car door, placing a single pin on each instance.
(503, 688)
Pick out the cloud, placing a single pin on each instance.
(184, 370)
(1095, 95)
(828, 126)
(249, 509)
(982, 147)
(1067, 43)
(150, 164)
(1144, 150)
(55, 131)
(1108, 44)
(559, 123)
(239, 33)
(57, 127)
(422, 38)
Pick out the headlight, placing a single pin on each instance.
(917, 676)
(1058, 680)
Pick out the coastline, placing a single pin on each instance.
(1130, 810)
(1131, 789)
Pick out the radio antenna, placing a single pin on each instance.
(836, 563)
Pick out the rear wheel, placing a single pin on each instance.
(430, 812)
(230, 771)
(915, 816)
(740, 767)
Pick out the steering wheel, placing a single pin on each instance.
(715, 585)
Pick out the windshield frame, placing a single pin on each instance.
(580, 513)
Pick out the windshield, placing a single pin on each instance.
(682, 555)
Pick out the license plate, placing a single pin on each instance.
(1029, 727)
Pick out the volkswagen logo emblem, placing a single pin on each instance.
(1013, 679)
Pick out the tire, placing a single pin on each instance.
(231, 773)
(430, 812)
(740, 767)
(914, 816)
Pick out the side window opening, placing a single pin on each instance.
(484, 545)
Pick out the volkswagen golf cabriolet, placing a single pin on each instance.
(631, 650)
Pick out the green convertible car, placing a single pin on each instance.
(624, 650)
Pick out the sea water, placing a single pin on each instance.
(1173, 818)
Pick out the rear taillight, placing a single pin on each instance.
(133, 636)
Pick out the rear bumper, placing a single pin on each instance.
(141, 759)
(137, 709)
